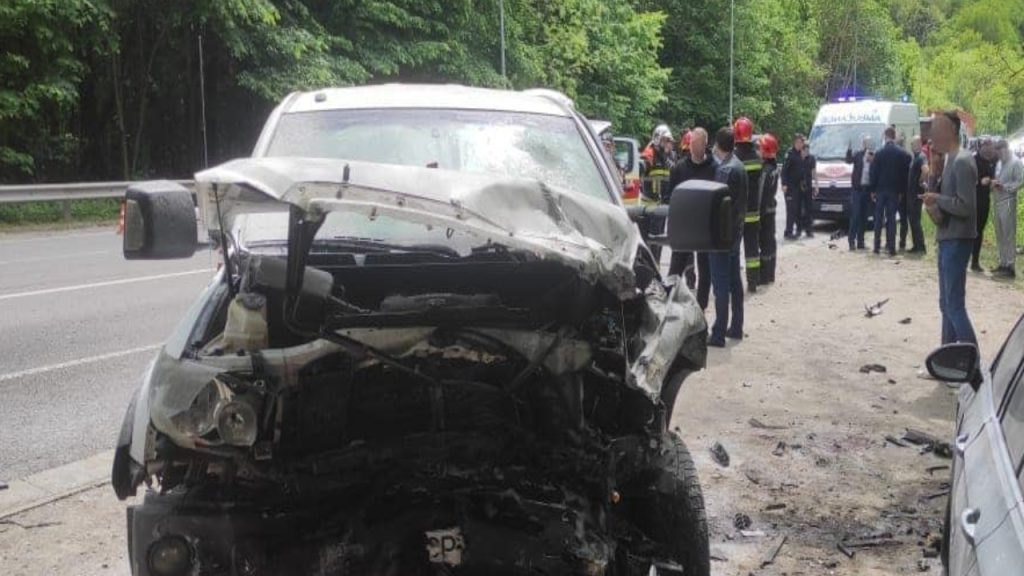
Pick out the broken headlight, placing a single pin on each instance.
(221, 413)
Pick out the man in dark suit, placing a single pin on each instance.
(860, 195)
(888, 180)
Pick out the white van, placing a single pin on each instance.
(841, 126)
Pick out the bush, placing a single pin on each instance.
(97, 210)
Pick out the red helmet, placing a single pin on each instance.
(743, 129)
(769, 146)
(684, 142)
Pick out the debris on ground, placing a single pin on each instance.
(875, 310)
(773, 551)
(848, 552)
(752, 533)
(741, 521)
(895, 441)
(3, 485)
(938, 494)
(719, 454)
(928, 443)
(775, 506)
(906, 320)
(923, 565)
(753, 476)
(933, 469)
(780, 449)
(869, 368)
(758, 424)
(871, 541)
(29, 526)
(718, 556)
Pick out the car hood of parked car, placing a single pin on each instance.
(593, 235)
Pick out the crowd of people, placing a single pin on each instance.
(955, 188)
(749, 170)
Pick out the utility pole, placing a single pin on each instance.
(732, 51)
(202, 103)
(501, 7)
(856, 37)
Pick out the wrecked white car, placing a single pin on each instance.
(437, 345)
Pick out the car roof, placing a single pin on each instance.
(428, 96)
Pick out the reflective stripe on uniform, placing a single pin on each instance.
(752, 218)
(753, 166)
(753, 263)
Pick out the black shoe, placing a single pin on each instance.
(892, 253)
(789, 236)
(916, 250)
(716, 342)
(976, 268)
(1004, 273)
(876, 252)
(861, 247)
(734, 335)
(809, 234)
(853, 248)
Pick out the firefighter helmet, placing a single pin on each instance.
(769, 146)
(684, 142)
(743, 129)
(661, 131)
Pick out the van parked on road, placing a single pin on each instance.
(842, 126)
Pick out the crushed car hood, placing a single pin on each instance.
(592, 235)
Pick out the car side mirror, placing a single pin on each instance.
(700, 217)
(958, 362)
(159, 221)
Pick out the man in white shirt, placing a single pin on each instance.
(1009, 178)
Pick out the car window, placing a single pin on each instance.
(624, 155)
(550, 149)
(1007, 363)
(1013, 424)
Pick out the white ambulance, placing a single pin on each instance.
(841, 126)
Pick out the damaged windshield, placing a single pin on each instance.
(549, 149)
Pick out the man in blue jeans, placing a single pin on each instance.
(954, 211)
(725, 266)
(888, 177)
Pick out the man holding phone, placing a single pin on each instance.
(955, 214)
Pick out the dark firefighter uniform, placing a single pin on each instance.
(658, 158)
(769, 184)
(743, 131)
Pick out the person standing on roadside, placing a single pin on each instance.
(808, 193)
(1010, 177)
(889, 172)
(725, 266)
(794, 178)
(745, 152)
(860, 193)
(769, 185)
(697, 165)
(955, 214)
(915, 187)
(985, 161)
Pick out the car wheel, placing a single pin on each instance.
(671, 511)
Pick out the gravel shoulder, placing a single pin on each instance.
(798, 369)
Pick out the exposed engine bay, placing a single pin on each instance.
(340, 405)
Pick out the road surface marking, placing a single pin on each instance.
(57, 257)
(103, 284)
(77, 362)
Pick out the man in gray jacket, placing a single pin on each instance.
(1009, 177)
(953, 210)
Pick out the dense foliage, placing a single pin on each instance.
(110, 89)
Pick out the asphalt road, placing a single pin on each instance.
(78, 326)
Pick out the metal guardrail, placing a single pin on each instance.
(68, 192)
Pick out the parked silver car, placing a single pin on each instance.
(984, 530)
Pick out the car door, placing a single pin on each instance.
(985, 494)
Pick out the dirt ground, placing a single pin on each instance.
(798, 370)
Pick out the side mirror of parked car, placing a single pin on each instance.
(958, 362)
(159, 221)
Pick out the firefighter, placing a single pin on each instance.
(743, 129)
(769, 184)
(659, 156)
